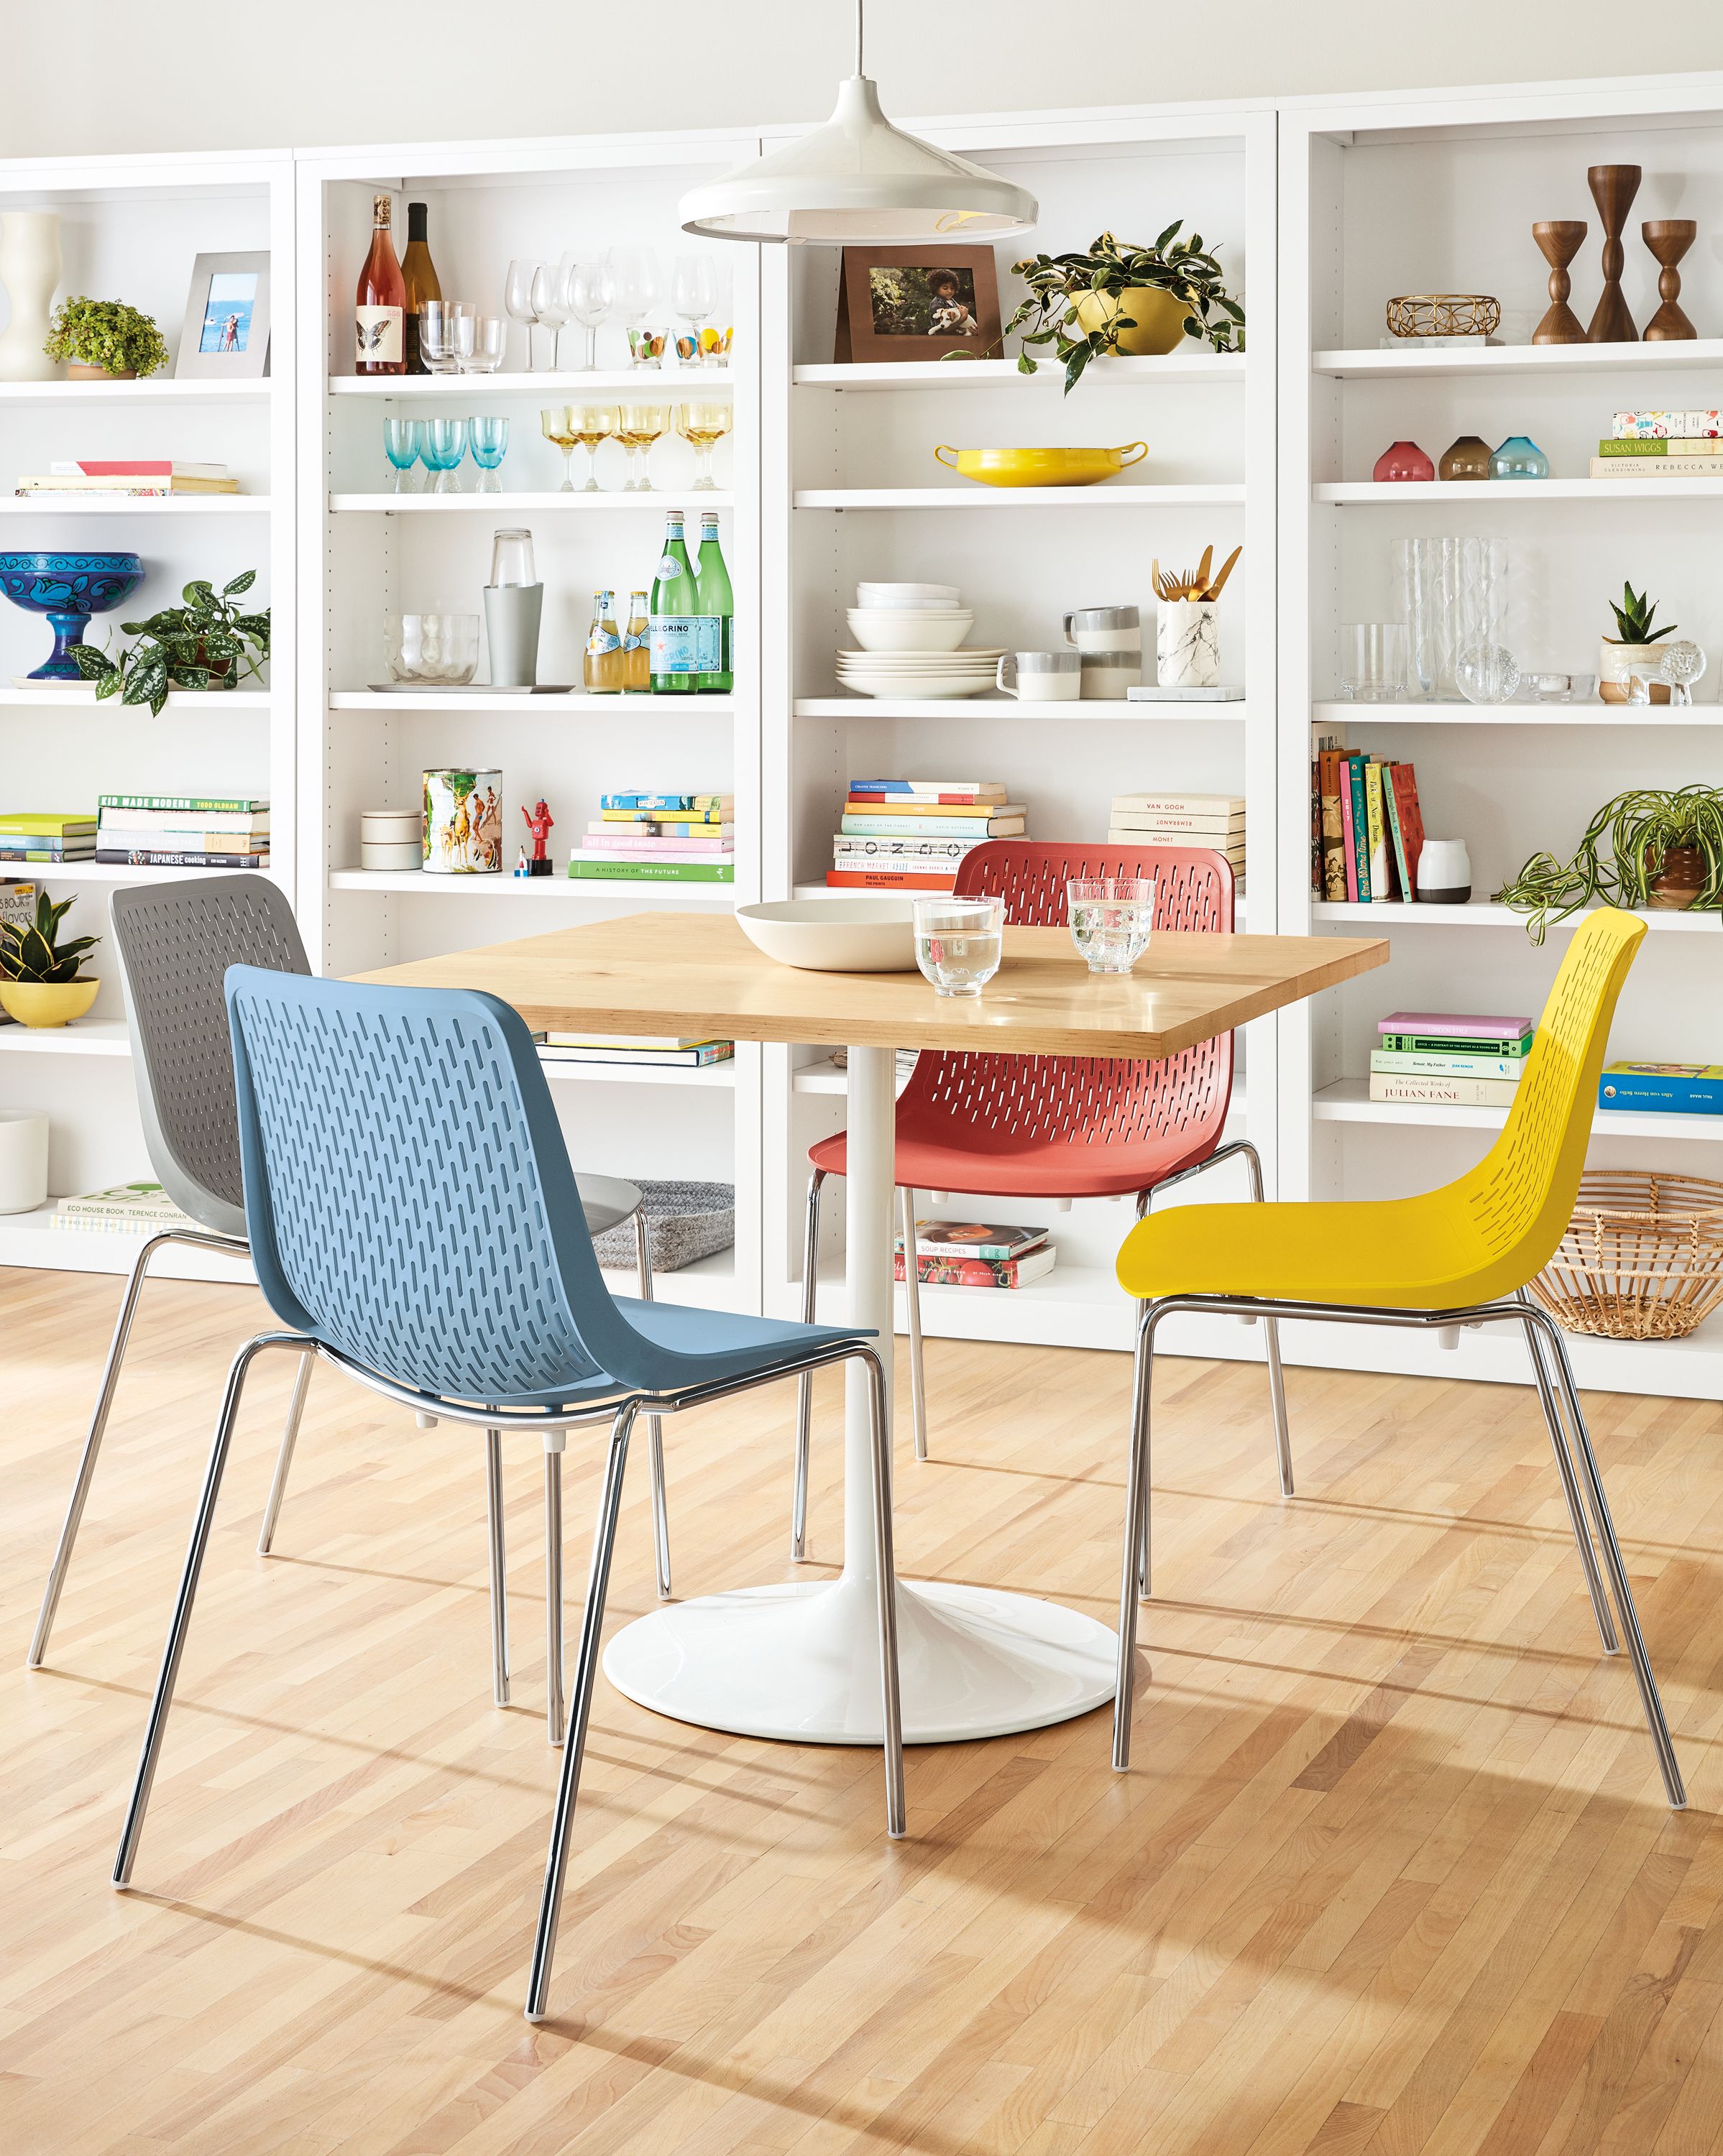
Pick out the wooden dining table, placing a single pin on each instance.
(800, 1660)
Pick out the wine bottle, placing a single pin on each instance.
(636, 648)
(419, 273)
(682, 644)
(380, 303)
(716, 603)
(601, 670)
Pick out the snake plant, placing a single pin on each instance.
(29, 951)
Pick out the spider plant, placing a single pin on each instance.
(1621, 853)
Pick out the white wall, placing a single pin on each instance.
(172, 75)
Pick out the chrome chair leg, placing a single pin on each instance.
(553, 1591)
(912, 1297)
(574, 1744)
(886, 1573)
(1135, 1585)
(1271, 1340)
(1570, 1490)
(499, 1568)
(284, 1458)
(655, 1425)
(804, 1383)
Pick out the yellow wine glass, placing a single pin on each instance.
(591, 424)
(704, 426)
(638, 426)
(556, 424)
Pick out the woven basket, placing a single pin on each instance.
(1642, 1259)
(1444, 314)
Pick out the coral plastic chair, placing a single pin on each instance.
(1052, 1126)
(1459, 1255)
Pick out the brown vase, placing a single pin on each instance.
(1680, 879)
(1468, 457)
(78, 370)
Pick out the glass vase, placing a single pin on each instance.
(1453, 593)
(1519, 458)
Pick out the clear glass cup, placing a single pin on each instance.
(490, 337)
(1373, 661)
(550, 304)
(646, 345)
(431, 647)
(638, 426)
(693, 295)
(703, 427)
(959, 942)
(459, 316)
(1111, 919)
(1548, 688)
(517, 299)
(488, 440)
(436, 336)
(512, 557)
(591, 424)
(400, 445)
(591, 290)
(443, 446)
(715, 346)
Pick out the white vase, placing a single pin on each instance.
(30, 269)
(1187, 643)
(23, 1159)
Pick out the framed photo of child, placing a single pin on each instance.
(898, 303)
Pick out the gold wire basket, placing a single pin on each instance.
(1642, 1259)
(1444, 314)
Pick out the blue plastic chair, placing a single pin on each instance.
(413, 1219)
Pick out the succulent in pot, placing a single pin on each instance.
(42, 980)
(205, 643)
(1631, 647)
(104, 339)
(1121, 298)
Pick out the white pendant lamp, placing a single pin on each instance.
(858, 182)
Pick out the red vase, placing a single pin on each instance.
(1403, 460)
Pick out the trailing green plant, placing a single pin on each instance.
(108, 334)
(1634, 616)
(205, 644)
(1621, 853)
(1056, 282)
(30, 951)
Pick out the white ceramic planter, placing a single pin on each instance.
(1616, 661)
(1187, 643)
(23, 1159)
(30, 269)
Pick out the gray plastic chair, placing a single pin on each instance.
(175, 943)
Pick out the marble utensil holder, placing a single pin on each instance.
(1187, 643)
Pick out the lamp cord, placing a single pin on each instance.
(858, 37)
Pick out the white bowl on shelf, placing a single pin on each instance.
(887, 597)
(867, 933)
(909, 628)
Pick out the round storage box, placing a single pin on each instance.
(373, 855)
(391, 827)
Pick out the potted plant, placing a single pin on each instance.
(1645, 847)
(205, 644)
(1117, 298)
(1630, 647)
(105, 341)
(41, 980)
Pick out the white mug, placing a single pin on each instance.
(1040, 677)
(1105, 629)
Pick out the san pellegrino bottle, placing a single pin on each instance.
(683, 644)
(602, 667)
(636, 648)
(717, 602)
(380, 302)
(418, 275)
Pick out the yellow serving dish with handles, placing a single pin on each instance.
(1039, 467)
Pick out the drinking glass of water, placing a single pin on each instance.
(959, 942)
(1111, 920)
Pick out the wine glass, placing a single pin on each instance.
(556, 424)
(443, 446)
(693, 293)
(488, 440)
(550, 304)
(591, 424)
(638, 426)
(591, 290)
(633, 272)
(400, 445)
(517, 299)
(703, 426)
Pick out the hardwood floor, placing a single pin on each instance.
(1391, 1872)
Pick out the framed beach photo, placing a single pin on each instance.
(226, 323)
(898, 303)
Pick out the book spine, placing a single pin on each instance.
(1444, 1092)
(1397, 835)
(1217, 807)
(1381, 884)
(204, 804)
(1349, 834)
(1411, 1063)
(1001, 1254)
(1671, 1095)
(888, 880)
(652, 871)
(1633, 446)
(927, 827)
(1452, 1043)
(647, 1059)
(925, 804)
(1334, 840)
(157, 858)
(960, 1272)
(1656, 468)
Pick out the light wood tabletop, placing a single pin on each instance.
(671, 971)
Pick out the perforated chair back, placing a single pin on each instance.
(175, 943)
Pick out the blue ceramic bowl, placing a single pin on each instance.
(67, 589)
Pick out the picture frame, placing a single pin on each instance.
(226, 335)
(900, 304)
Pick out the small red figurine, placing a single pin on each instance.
(540, 823)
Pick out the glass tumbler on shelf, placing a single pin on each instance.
(400, 445)
(489, 338)
(591, 290)
(703, 427)
(443, 446)
(556, 422)
(488, 440)
(1111, 919)
(517, 299)
(512, 558)
(590, 425)
(959, 942)
(638, 426)
(550, 304)
(436, 336)
(1373, 661)
(715, 346)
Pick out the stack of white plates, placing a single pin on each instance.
(909, 637)
(918, 673)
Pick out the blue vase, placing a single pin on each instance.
(67, 589)
(1519, 458)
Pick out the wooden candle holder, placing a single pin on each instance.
(1613, 187)
(1559, 240)
(1668, 238)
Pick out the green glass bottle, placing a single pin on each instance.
(716, 601)
(682, 644)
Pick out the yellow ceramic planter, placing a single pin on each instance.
(47, 1003)
(1157, 316)
(1039, 467)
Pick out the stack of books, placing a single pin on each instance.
(184, 830)
(1669, 1089)
(1214, 820)
(1448, 1059)
(134, 1209)
(910, 834)
(103, 478)
(25, 836)
(977, 1254)
(658, 838)
(1662, 445)
(661, 1052)
(1367, 831)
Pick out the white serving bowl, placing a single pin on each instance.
(873, 596)
(863, 934)
(895, 628)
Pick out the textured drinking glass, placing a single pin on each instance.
(436, 336)
(703, 426)
(638, 426)
(591, 290)
(517, 299)
(959, 942)
(400, 445)
(1487, 674)
(488, 441)
(459, 316)
(1373, 661)
(443, 446)
(1111, 919)
(715, 346)
(550, 304)
(490, 336)
(556, 424)
(1519, 458)
(431, 647)
(645, 346)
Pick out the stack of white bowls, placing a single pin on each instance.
(910, 644)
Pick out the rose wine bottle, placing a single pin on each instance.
(380, 302)
(419, 273)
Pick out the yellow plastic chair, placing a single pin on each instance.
(1459, 1255)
